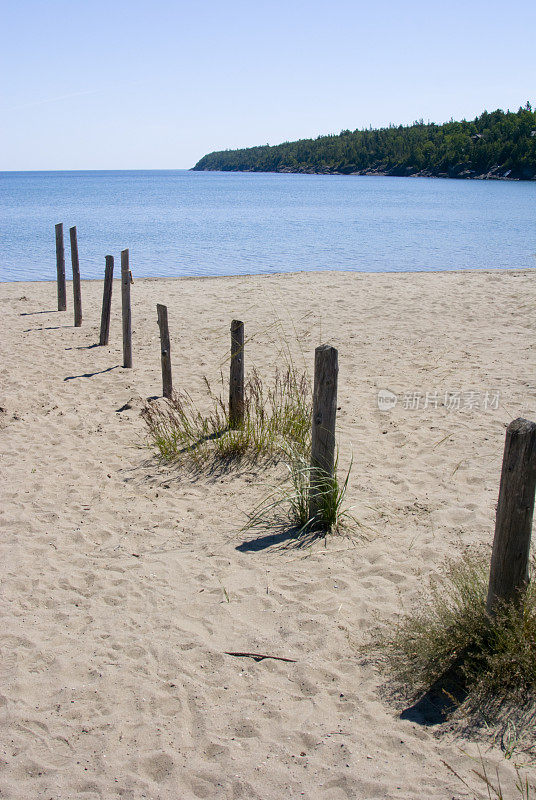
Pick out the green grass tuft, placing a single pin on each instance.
(274, 416)
(493, 659)
(287, 506)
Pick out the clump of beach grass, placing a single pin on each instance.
(492, 659)
(276, 415)
(276, 427)
(288, 505)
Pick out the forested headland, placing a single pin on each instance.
(496, 145)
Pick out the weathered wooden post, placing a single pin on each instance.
(167, 384)
(106, 300)
(60, 268)
(236, 380)
(125, 306)
(509, 570)
(77, 295)
(323, 428)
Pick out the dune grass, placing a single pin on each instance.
(276, 428)
(275, 416)
(492, 659)
(525, 788)
(287, 505)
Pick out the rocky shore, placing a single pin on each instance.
(496, 173)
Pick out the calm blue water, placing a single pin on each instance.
(209, 223)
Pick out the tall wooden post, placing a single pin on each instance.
(509, 570)
(77, 294)
(167, 385)
(107, 300)
(125, 306)
(236, 380)
(323, 427)
(60, 268)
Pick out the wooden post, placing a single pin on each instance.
(236, 381)
(76, 279)
(323, 427)
(107, 300)
(60, 268)
(167, 385)
(125, 306)
(509, 570)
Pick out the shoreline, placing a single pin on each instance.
(260, 275)
(471, 175)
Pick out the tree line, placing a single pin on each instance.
(496, 144)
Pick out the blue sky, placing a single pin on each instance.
(88, 84)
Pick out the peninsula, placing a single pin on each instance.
(498, 146)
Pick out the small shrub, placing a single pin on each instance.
(493, 658)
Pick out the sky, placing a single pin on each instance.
(88, 84)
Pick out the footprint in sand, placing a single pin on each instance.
(158, 766)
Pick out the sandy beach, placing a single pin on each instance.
(122, 585)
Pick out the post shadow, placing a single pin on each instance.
(443, 697)
(91, 374)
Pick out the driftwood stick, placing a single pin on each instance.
(260, 656)
(323, 427)
(167, 383)
(236, 381)
(125, 306)
(509, 569)
(77, 294)
(107, 300)
(60, 268)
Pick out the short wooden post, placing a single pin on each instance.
(509, 570)
(125, 306)
(107, 300)
(323, 427)
(236, 381)
(77, 295)
(60, 268)
(167, 385)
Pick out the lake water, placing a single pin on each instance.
(214, 223)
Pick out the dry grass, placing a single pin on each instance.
(525, 788)
(493, 660)
(276, 427)
(275, 417)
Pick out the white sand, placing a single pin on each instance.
(122, 587)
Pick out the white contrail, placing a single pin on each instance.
(68, 96)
